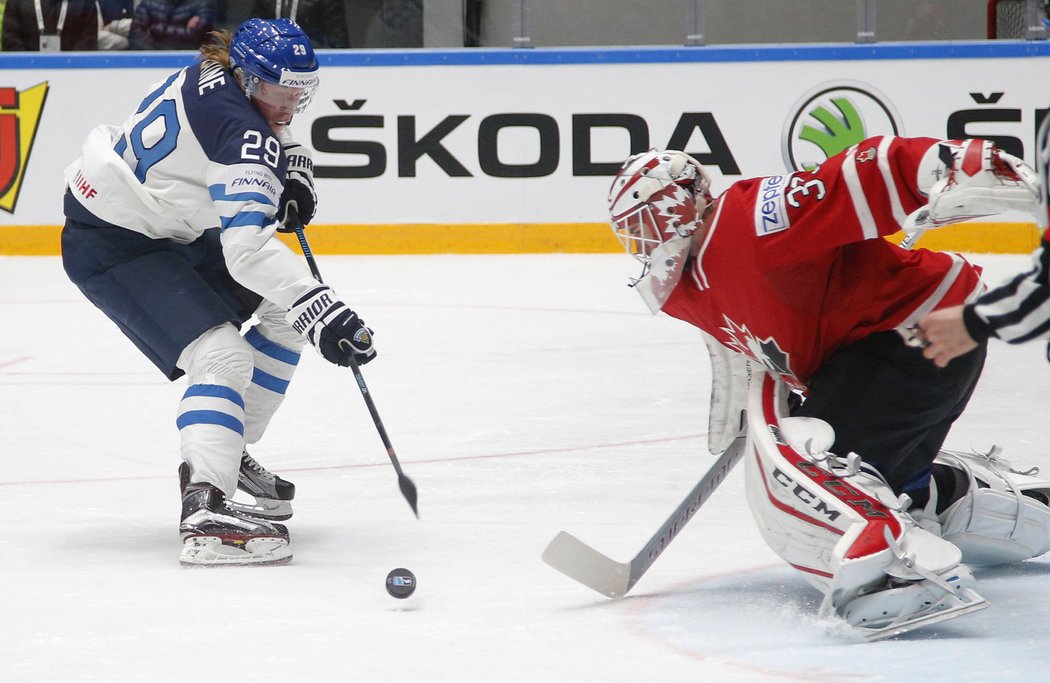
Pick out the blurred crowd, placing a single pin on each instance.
(53, 25)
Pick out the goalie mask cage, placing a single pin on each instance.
(1016, 19)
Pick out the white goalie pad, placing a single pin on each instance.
(842, 527)
(1002, 515)
(730, 379)
(982, 181)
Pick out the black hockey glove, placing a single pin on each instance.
(334, 330)
(298, 187)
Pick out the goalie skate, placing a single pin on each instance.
(213, 534)
(902, 605)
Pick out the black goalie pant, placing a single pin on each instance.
(892, 406)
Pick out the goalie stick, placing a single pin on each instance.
(408, 488)
(579, 561)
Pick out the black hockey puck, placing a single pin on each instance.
(400, 583)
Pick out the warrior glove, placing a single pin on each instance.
(298, 187)
(335, 331)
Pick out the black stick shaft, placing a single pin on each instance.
(408, 488)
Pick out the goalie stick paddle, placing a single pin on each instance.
(581, 562)
(408, 488)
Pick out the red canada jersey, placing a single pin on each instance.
(793, 267)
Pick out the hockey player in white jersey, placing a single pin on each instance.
(170, 230)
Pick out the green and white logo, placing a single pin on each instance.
(832, 117)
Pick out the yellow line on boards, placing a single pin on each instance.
(521, 238)
(980, 238)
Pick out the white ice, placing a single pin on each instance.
(523, 395)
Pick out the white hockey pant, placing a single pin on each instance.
(999, 514)
(837, 523)
(236, 385)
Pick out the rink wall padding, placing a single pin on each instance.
(512, 150)
(523, 238)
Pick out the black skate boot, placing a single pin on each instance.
(213, 534)
(272, 494)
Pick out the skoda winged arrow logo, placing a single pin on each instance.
(832, 117)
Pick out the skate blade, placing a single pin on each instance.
(969, 602)
(210, 551)
(264, 508)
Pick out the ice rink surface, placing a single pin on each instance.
(524, 395)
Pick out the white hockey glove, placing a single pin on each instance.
(335, 331)
(730, 378)
(298, 186)
(982, 181)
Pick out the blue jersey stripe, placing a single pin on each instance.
(252, 219)
(271, 349)
(268, 381)
(215, 391)
(210, 417)
(218, 193)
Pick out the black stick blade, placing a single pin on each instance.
(408, 490)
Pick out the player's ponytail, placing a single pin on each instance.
(218, 50)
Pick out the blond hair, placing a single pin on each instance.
(218, 50)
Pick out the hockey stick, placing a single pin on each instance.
(408, 488)
(581, 562)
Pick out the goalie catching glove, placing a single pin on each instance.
(981, 181)
(298, 187)
(335, 331)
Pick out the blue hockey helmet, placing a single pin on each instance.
(278, 52)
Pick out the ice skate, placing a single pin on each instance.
(272, 494)
(213, 534)
(904, 605)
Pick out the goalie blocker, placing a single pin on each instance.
(837, 522)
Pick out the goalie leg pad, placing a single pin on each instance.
(841, 525)
(997, 514)
(730, 378)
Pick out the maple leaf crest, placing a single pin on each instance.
(766, 351)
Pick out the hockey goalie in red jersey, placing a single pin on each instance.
(790, 279)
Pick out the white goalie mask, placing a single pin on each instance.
(656, 202)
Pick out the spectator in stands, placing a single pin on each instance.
(116, 24)
(402, 23)
(172, 24)
(77, 29)
(323, 20)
